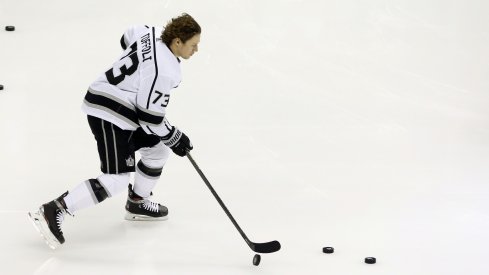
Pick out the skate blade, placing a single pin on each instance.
(42, 227)
(136, 217)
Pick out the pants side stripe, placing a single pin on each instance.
(106, 149)
(115, 150)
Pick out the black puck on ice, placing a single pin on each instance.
(328, 250)
(1, 87)
(10, 28)
(256, 259)
(370, 260)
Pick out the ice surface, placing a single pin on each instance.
(362, 125)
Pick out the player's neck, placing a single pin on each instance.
(174, 51)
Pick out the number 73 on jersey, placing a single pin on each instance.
(165, 98)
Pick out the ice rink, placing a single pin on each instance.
(361, 125)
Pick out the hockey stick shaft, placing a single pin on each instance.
(206, 181)
(268, 247)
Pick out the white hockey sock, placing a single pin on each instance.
(114, 183)
(149, 168)
(79, 198)
(91, 192)
(143, 185)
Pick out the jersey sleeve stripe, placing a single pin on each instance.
(149, 117)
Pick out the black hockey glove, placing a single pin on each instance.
(178, 142)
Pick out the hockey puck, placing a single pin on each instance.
(370, 260)
(10, 28)
(256, 259)
(1, 87)
(328, 250)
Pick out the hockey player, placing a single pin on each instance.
(125, 108)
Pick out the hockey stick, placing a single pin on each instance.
(268, 247)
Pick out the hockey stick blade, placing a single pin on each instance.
(269, 247)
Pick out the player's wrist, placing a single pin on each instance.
(172, 138)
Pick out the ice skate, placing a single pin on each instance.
(48, 219)
(142, 209)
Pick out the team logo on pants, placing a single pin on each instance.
(130, 161)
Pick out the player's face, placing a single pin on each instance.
(187, 49)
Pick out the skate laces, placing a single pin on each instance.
(59, 219)
(151, 206)
(62, 208)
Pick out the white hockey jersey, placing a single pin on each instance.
(135, 91)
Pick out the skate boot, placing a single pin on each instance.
(142, 209)
(48, 219)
